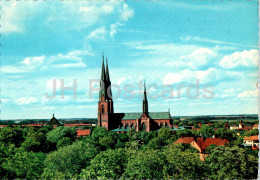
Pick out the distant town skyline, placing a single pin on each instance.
(162, 42)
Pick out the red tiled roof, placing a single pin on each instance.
(255, 126)
(32, 125)
(83, 132)
(216, 141)
(76, 124)
(247, 128)
(252, 138)
(200, 143)
(184, 140)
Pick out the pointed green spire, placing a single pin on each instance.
(145, 102)
(102, 81)
(107, 73)
(108, 82)
(103, 72)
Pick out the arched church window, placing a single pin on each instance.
(126, 126)
(161, 124)
(132, 126)
(103, 109)
(143, 127)
(166, 124)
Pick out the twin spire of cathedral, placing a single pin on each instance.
(105, 87)
(105, 83)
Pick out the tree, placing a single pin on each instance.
(182, 164)
(184, 133)
(24, 165)
(99, 132)
(108, 164)
(64, 142)
(12, 135)
(145, 165)
(251, 133)
(60, 132)
(164, 133)
(205, 131)
(226, 134)
(69, 160)
(35, 141)
(219, 125)
(231, 163)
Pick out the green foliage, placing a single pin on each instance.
(108, 164)
(226, 134)
(176, 122)
(219, 125)
(184, 133)
(60, 132)
(13, 135)
(69, 160)
(64, 142)
(205, 131)
(182, 164)
(164, 133)
(251, 133)
(35, 141)
(231, 163)
(145, 165)
(107, 155)
(22, 164)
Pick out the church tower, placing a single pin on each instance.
(145, 102)
(105, 103)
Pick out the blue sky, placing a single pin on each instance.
(166, 43)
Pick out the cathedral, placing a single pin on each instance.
(122, 122)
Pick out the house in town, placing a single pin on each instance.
(251, 141)
(201, 144)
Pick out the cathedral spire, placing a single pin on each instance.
(103, 72)
(102, 91)
(145, 102)
(107, 73)
(108, 82)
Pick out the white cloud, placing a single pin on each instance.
(126, 13)
(107, 9)
(240, 59)
(191, 38)
(114, 28)
(10, 19)
(121, 80)
(175, 78)
(62, 15)
(250, 93)
(33, 61)
(27, 65)
(70, 65)
(99, 33)
(72, 59)
(211, 75)
(198, 58)
(26, 100)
